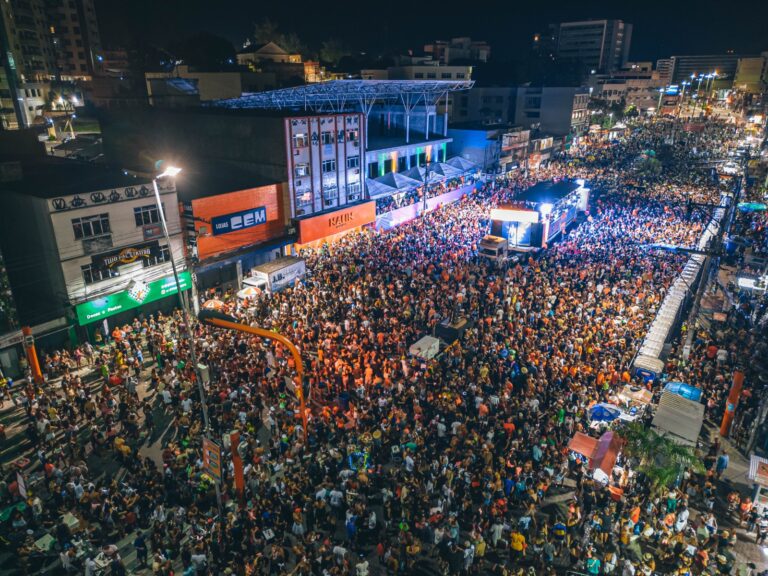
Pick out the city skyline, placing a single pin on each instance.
(660, 29)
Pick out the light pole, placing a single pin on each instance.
(172, 172)
(427, 170)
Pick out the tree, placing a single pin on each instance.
(266, 31)
(332, 51)
(205, 51)
(661, 460)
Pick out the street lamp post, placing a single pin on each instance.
(172, 172)
(427, 171)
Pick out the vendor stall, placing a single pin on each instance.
(679, 418)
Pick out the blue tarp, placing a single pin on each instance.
(604, 412)
(685, 390)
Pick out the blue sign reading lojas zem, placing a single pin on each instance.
(239, 220)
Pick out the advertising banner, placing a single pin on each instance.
(138, 293)
(126, 255)
(318, 227)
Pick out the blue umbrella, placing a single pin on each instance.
(604, 412)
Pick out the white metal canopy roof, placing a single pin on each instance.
(348, 95)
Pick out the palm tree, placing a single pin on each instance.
(661, 459)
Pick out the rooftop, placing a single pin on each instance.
(51, 177)
(348, 95)
(203, 179)
(386, 142)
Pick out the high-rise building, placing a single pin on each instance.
(723, 64)
(75, 38)
(600, 45)
(462, 50)
(43, 40)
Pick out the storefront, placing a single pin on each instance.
(11, 351)
(331, 226)
(140, 299)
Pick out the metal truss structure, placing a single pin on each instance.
(339, 96)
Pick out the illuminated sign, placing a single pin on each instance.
(239, 220)
(501, 215)
(138, 293)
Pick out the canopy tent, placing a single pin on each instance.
(462, 164)
(604, 412)
(416, 173)
(679, 418)
(445, 170)
(685, 390)
(583, 444)
(630, 395)
(213, 304)
(378, 189)
(601, 453)
(248, 292)
(399, 181)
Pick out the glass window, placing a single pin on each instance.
(146, 215)
(90, 226)
(352, 135)
(300, 141)
(329, 166)
(353, 192)
(301, 170)
(327, 138)
(353, 162)
(92, 275)
(163, 256)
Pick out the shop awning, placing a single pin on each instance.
(679, 418)
(583, 444)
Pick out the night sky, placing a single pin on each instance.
(661, 27)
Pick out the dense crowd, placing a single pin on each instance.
(449, 465)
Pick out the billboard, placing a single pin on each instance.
(139, 293)
(319, 227)
(227, 222)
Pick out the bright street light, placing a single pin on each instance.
(171, 171)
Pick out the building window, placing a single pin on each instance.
(303, 199)
(445, 75)
(327, 138)
(329, 166)
(330, 195)
(418, 75)
(300, 141)
(164, 255)
(352, 135)
(92, 275)
(146, 215)
(91, 226)
(301, 170)
(353, 162)
(431, 75)
(460, 75)
(353, 192)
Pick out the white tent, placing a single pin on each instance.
(399, 181)
(463, 164)
(378, 189)
(679, 418)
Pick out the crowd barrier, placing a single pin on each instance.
(648, 361)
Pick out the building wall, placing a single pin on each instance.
(427, 72)
(556, 110)
(326, 157)
(602, 45)
(119, 206)
(724, 64)
(207, 211)
(492, 104)
(75, 37)
(32, 259)
(481, 146)
(749, 73)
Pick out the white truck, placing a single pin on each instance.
(276, 275)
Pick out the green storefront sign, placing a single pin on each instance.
(138, 295)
